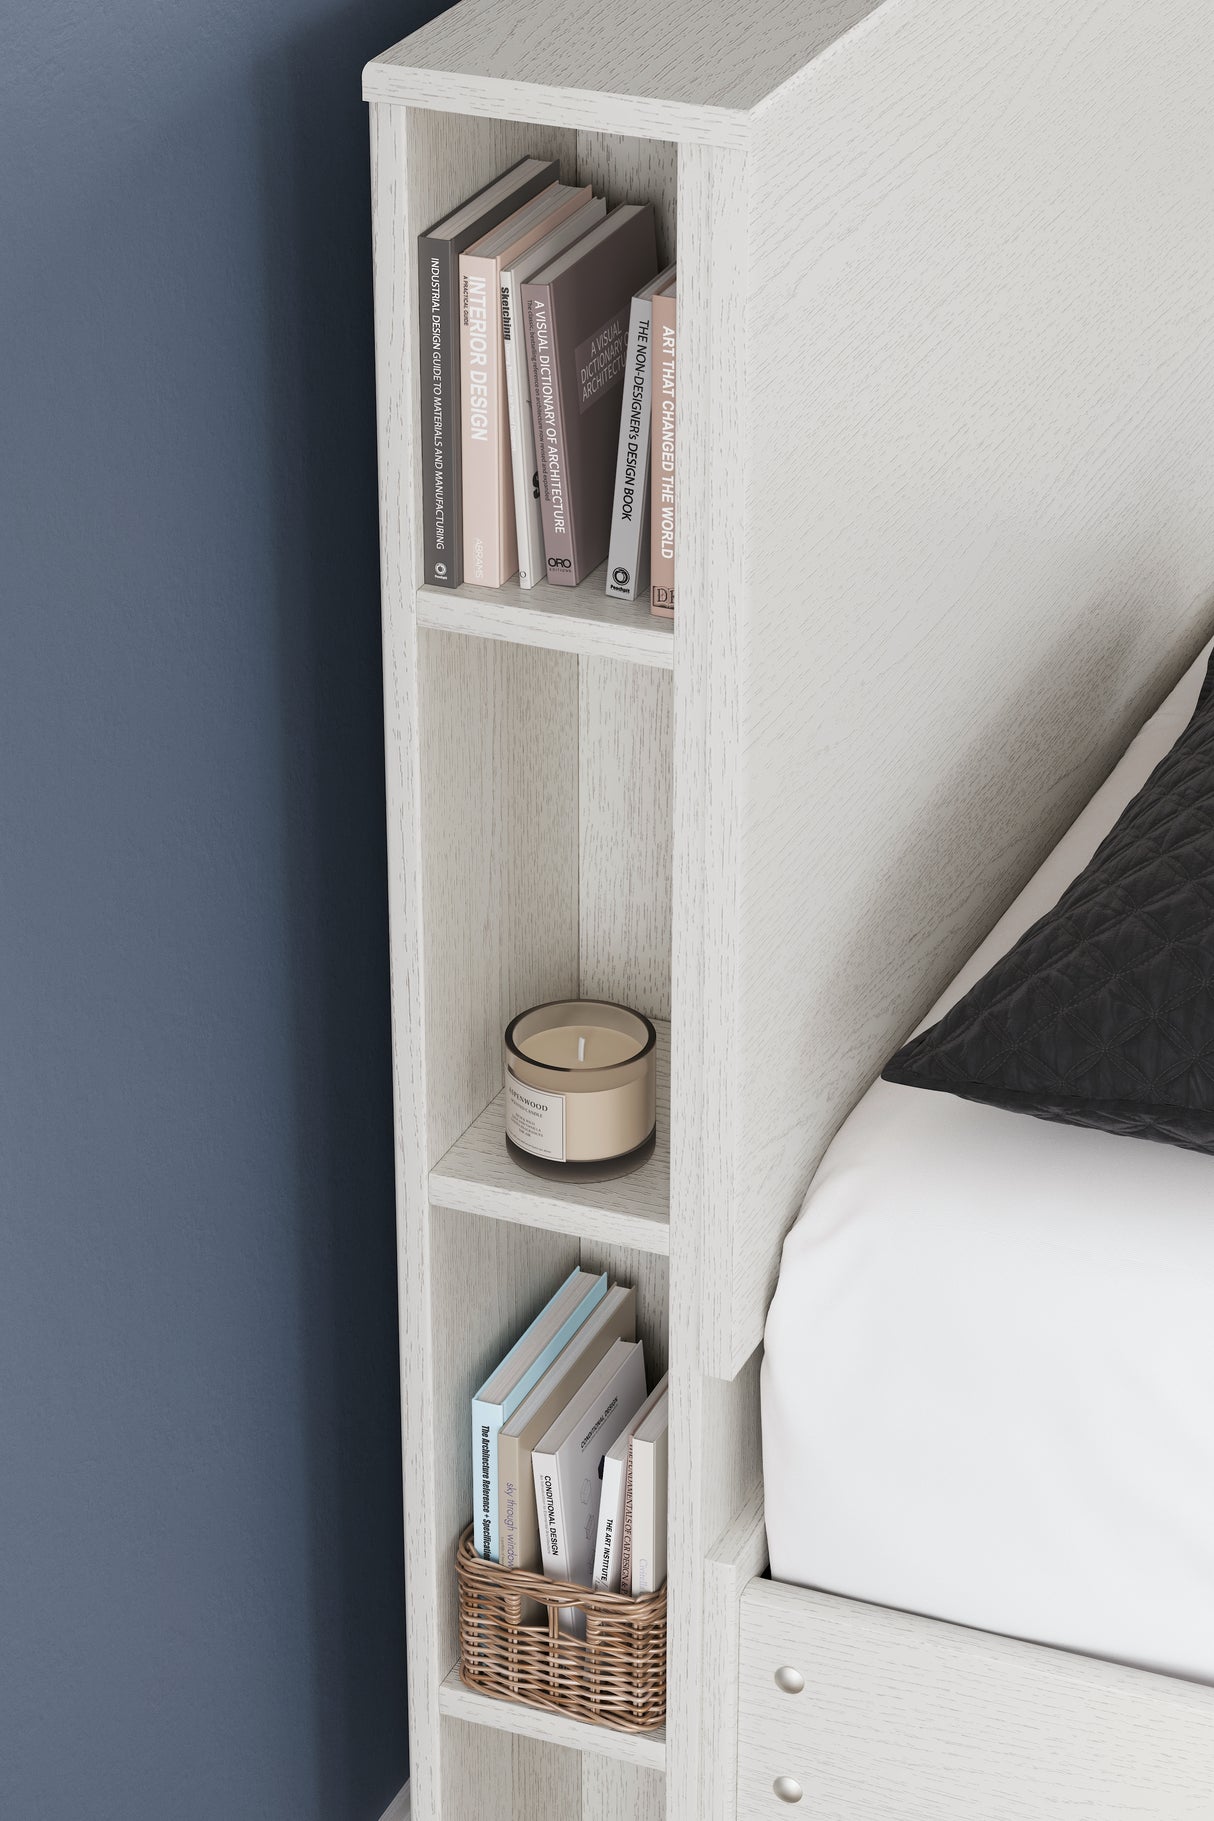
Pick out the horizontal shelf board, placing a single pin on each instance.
(682, 71)
(459, 1702)
(582, 619)
(478, 1176)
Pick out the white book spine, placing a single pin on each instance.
(610, 1535)
(628, 551)
(642, 1518)
(554, 1538)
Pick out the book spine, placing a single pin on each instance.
(486, 1422)
(480, 419)
(438, 275)
(626, 1537)
(662, 528)
(608, 1536)
(508, 1500)
(628, 552)
(642, 1518)
(550, 446)
(528, 523)
(554, 1553)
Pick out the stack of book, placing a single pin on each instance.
(548, 390)
(569, 1453)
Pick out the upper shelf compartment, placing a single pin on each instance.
(583, 619)
(682, 71)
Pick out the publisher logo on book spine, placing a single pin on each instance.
(621, 576)
(663, 597)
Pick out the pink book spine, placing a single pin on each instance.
(482, 420)
(662, 443)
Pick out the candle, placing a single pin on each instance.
(581, 1088)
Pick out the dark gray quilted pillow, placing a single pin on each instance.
(1103, 1013)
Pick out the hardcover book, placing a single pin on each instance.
(567, 1461)
(502, 1393)
(661, 563)
(650, 1458)
(609, 1536)
(577, 312)
(438, 251)
(628, 548)
(490, 543)
(614, 1319)
(528, 522)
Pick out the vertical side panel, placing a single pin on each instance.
(634, 170)
(394, 228)
(422, 163)
(625, 760)
(977, 467)
(715, 1429)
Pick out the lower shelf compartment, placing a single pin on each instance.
(461, 1703)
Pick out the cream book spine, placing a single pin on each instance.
(524, 464)
(650, 1472)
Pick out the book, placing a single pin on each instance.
(628, 546)
(505, 1388)
(528, 523)
(609, 1535)
(626, 1538)
(661, 535)
(650, 1467)
(566, 1463)
(614, 1319)
(490, 542)
(576, 317)
(438, 251)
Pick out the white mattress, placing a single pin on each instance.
(988, 1389)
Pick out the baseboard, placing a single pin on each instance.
(398, 1808)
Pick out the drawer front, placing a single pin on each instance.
(850, 1712)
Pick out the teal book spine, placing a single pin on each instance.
(487, 1418)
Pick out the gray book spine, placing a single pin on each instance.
(628, 552)
(550, 446)
(442, 515)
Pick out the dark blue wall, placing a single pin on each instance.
(200, 1596)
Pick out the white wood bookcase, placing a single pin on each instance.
(933, 445)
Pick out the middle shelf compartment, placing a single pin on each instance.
(477, 1176)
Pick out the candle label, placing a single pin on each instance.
(535, 1121)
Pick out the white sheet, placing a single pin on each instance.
(988, 1389)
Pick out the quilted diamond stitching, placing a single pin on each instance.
(1103, 1013)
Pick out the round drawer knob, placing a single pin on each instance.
(788, 1789)
(789, 1681)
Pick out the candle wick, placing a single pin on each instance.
(581, 1049)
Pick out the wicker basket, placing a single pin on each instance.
(615, 1677)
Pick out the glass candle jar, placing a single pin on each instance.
(581, 1089)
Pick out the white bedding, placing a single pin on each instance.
(988, 1389)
